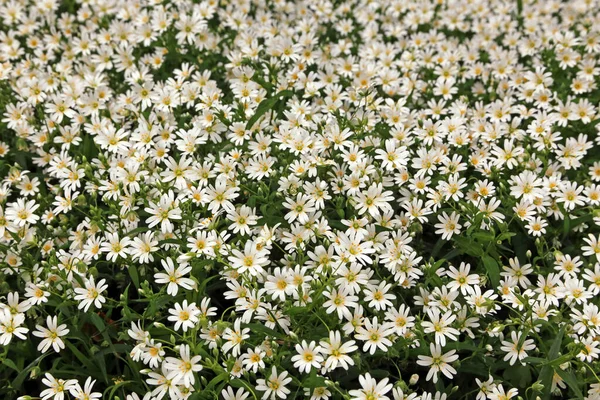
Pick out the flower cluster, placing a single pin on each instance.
(359, 200)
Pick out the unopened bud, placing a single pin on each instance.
(537, 387)
(35, 372)
(414, 379)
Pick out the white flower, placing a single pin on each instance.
(375, 335)
(234, 338)
(461, 278)
(21, 213)
(56, 387)
(438, 362)
(10, 325)
(337, 351)
(183, 369)
(242, 220)
(440, 325)
(185, 316)
(299, 208)
(164, 384)
(374, 200)
(448, 225)
(229, 394)
(251, 260)
(85, 393)
(142, 248)
(515, 350)
(115, 247)
(220, 196)
(253, 359)
(371, 389)
(593, 247)
(274, 386)
(498, 393)
(163, 212)
(308, 357)
(52, 335)
(91, 294)
(378, 297)
(340, 300)
(174, 276)
(36, 294)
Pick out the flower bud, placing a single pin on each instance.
(537, 387)
(413, 379)
(35, 372)
(81, 267)
(81, 200)
(159, 325)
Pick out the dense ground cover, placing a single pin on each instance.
(299, 199)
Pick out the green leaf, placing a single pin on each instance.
(10, 364)
(547, 371)
(135, 231)
(578, 221)
(566, 226)
(506, 235)
(214, 381)
(266, 105)
(171, 241)
(553, 353)
(534, 360)
(518, 375)
(85, 360)
(314, 381)
(571, 381)
(114, 388)
(88, 147)
(483, 236)
(18, 381)
(98, 322)
(133, 273)
(468, 246)
(492, 269)
(266, 331)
